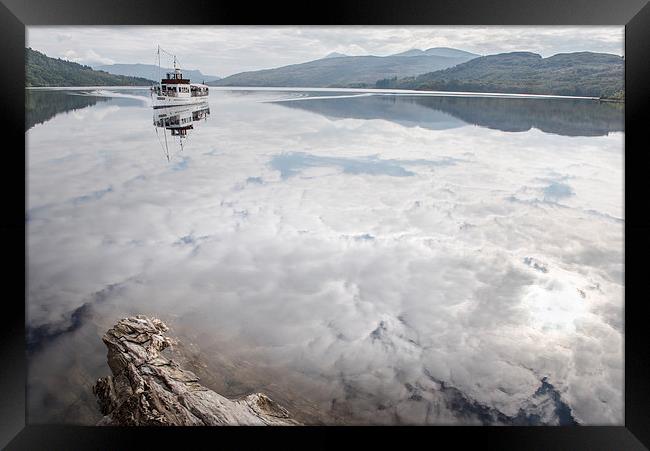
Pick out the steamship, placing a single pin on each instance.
(174, 90)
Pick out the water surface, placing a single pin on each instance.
(362, 259)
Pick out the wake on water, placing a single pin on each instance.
(112, 94)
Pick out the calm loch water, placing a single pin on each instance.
(362, 259)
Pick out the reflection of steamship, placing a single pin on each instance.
(178, 119)
(175, 90)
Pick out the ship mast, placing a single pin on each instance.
(176, 66)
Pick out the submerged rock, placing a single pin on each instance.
(147, 389)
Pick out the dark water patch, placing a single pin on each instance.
(213, 153)
(405, 111)
(468, 409)
(95, 195)
(255, 180)
(36, 212)
(380, 332)
(41, 106)
(127, 102)
(557, 190)
(187, 239)
(40, 336)
(562, 409)
(537, 265)
(567, 117)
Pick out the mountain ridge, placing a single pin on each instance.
(42, 70)
(335, 55)
(577, 73)
(438, 51)
(342, 71)
(150, 70)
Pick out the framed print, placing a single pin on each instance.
(428, 219)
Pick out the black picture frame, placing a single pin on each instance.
(15, 15)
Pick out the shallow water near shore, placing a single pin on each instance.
(361, 259)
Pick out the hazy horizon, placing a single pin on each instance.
(226, 50)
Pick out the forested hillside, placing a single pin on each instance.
(41, 70)
(578, 74)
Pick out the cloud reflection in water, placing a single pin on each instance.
(385, 289)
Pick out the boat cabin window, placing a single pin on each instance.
(199, 91)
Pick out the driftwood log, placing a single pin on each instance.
(149, 389)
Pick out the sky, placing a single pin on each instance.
(226, 50)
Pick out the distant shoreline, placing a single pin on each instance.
(355, 90)
(75, 88)
(397, 91)
(607, 100)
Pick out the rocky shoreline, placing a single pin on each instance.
(148, 389)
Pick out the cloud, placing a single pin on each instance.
(444, 306)
(220, 50)
(88, 57)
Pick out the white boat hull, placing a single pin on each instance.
(164, 101)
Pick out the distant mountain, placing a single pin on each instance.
(439, 51)
(412, 52)
(580, 74)
(151, 71)
(335, 55)
(41, 70)
(344, 71)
